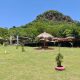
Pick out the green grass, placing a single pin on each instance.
(38, 64)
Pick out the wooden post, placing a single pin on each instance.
(44, 43)
(10, 40)
(17, 40)
(59, 47)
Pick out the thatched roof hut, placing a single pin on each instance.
(45, 37)
(70, 37)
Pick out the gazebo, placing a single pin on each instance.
(45, 37)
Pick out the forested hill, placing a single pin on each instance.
(50, 21)
(54, 16)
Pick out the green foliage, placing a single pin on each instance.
(4, 33)
(22, 46)
(17, 46)
(59, 59)
(54, 16)
(50, 21)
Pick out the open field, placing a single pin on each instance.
(38, 64)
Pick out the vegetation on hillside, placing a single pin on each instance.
(50, 21)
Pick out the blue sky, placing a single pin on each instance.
(20, 12)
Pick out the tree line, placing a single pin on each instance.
(52, 22)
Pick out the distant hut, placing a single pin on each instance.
(24, 40)
(70, 38)
(45, 37)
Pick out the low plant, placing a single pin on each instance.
(22, 46)
(59, 58)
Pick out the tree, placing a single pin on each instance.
(59, 60)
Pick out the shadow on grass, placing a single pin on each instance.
(49, 48)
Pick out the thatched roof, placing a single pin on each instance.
(70, 37)
(45, 35)
(64, 39)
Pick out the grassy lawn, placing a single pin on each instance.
(38, 64)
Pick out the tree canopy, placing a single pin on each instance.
(51, 21)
